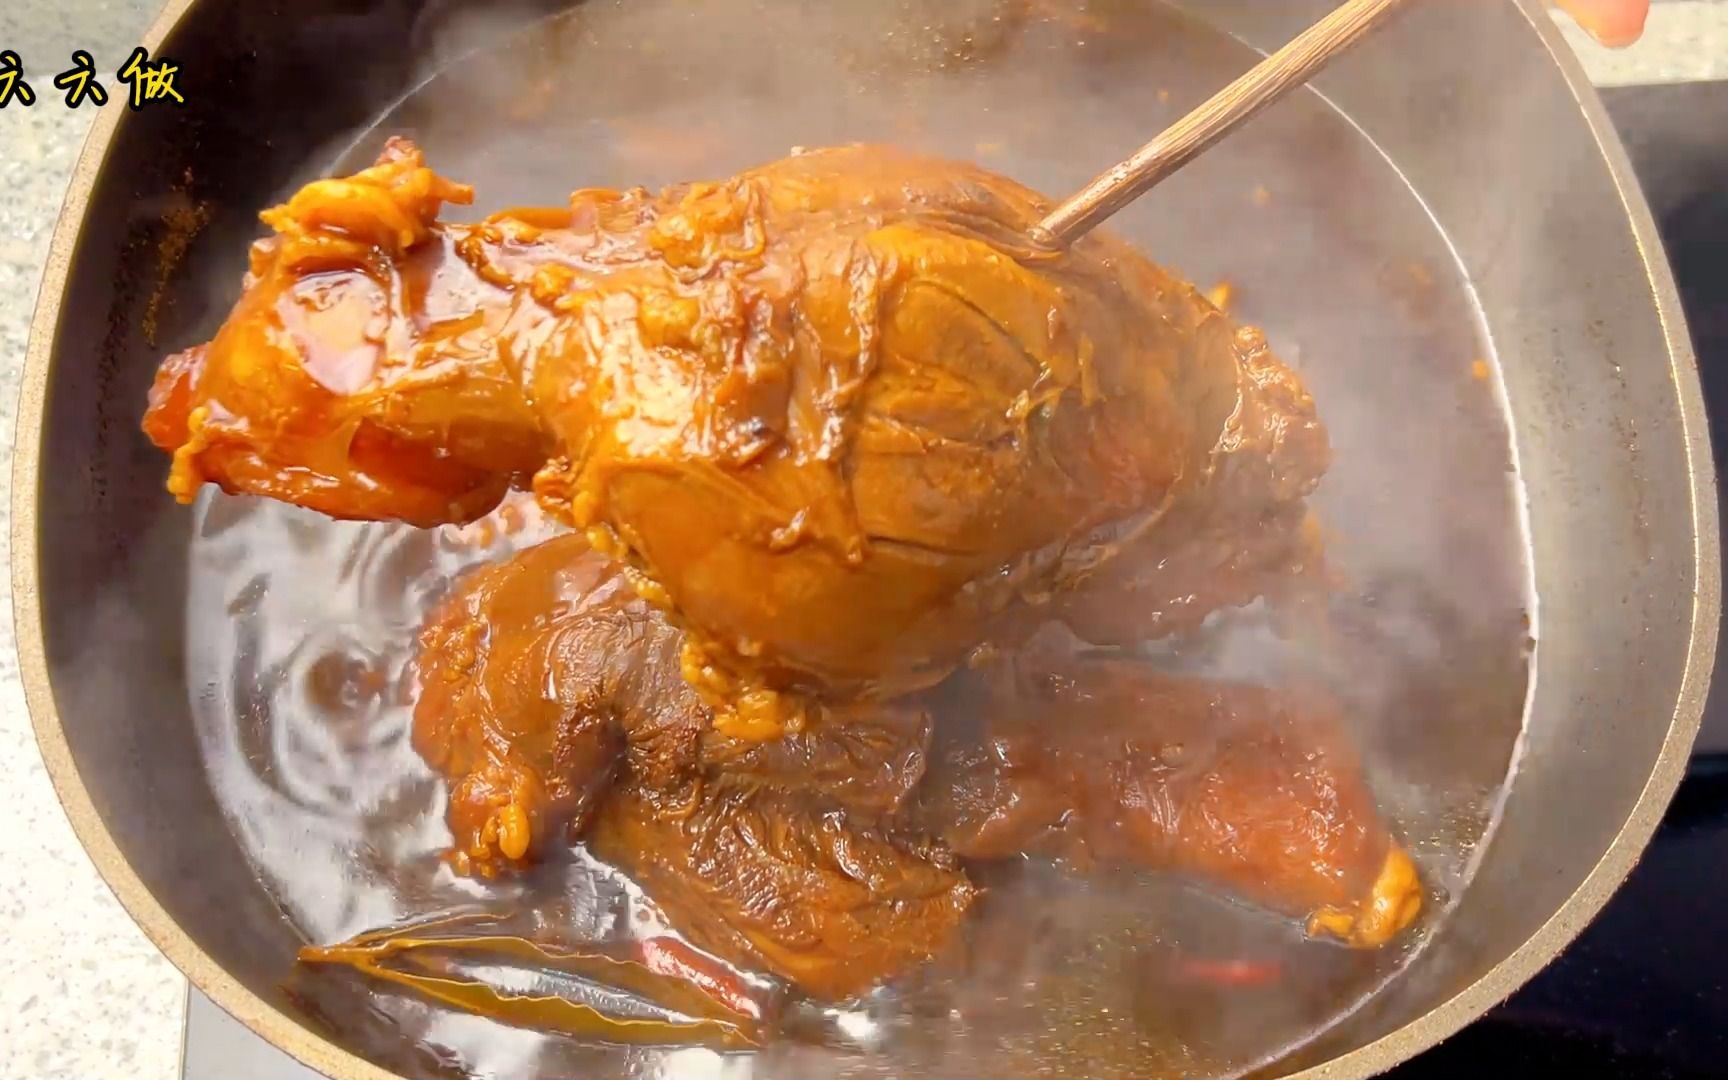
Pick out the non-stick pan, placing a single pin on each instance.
(1443, 236)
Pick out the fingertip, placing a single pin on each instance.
(1613, 23)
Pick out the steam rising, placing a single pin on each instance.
(1327, 248)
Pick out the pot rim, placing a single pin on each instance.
(1411, 1038)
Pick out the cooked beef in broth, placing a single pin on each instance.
(801, 616)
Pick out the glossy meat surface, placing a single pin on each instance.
(552, 701)
(838, 412)
(355, 375)
(790, 882)
(1110, 761)
(545, 678)
(516, 700)
(823, 428)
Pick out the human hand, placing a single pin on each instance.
(1615, 23)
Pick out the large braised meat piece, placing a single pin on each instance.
(825, 430)
(549, 688)
(833, 857)
(836, 410)
(545, 679)
(1108, 760)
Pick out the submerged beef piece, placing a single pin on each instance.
(510, 709)
(1108, 760)
(867, 758)
(786, 882)
(545, 676)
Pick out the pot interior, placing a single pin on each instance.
(1437, 245)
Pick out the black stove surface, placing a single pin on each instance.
(1643, 992)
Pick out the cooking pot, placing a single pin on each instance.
(1480, 113)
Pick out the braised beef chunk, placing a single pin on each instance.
(545, 675)
(841, 412)
(787, 882)
(864, 757)
(516, 706)
(549, 669)
(831, 429)
(1110, 760)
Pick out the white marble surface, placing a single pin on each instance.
(82, 995)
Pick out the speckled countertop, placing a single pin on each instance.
(83, 996)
